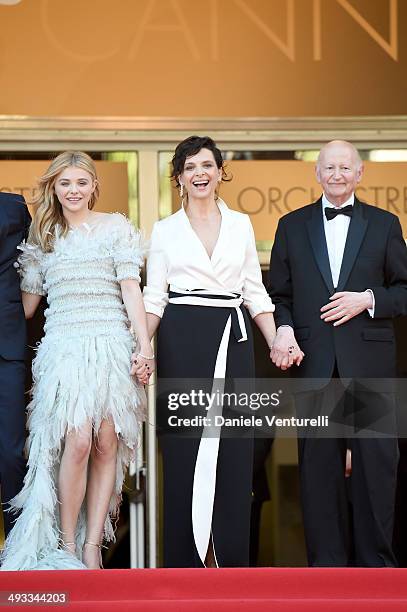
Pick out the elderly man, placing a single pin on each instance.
(338, 276)
(14, 223)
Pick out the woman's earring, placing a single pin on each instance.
(217, 188)
(181, 190)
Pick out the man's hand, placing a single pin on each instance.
(285, 351)
(345, 305)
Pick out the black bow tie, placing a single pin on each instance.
(330, 212)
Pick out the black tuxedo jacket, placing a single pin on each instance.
(375, 257)
(14, 224)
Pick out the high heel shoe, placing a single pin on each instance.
(99, 546)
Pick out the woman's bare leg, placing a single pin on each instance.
(72, 480)
(102, 475)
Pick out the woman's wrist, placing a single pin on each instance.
(146, 351)
(143, 356)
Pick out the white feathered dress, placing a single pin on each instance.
(81, 371)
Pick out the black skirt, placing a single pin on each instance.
(188, 341)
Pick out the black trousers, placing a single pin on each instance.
(232, 506)
(333, 537)
(12, 433)
(188, 341)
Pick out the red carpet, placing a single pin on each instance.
(223, 590)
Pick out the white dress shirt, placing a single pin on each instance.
(336, 232)
(179, 261)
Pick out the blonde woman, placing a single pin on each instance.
(86, 409)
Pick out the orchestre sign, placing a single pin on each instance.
(21, 177)
(266, 190)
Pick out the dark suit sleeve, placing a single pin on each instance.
(27, 221)
(280, 282)
(391, 299)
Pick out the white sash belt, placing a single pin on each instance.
(204, 485)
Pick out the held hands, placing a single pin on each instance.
(285, 351)
(345, 305)
(142, 365)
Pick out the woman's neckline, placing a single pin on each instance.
(90, 221)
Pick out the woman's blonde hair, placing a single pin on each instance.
(48, 213)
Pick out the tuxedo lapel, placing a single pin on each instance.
(316, 232)
(356, 233)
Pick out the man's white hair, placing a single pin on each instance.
(342, 143)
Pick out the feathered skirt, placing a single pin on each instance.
(77, 380)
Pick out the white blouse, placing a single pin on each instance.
(179, 261)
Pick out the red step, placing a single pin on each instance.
(218, 590)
